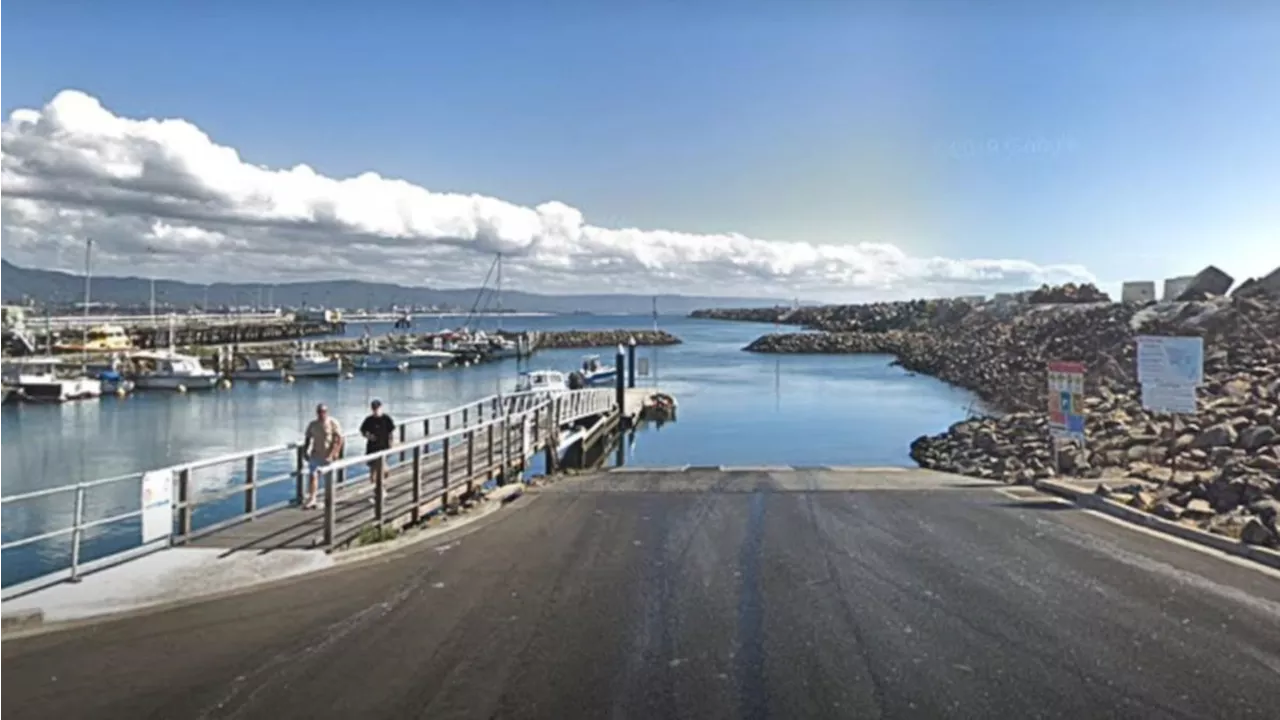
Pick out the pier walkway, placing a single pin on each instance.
(249, 501)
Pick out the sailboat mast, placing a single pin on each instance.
(88, 273)
(499, 292)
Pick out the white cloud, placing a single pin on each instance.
(160, 196)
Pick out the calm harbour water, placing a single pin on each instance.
(735, 408)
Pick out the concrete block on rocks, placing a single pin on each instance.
(1268, 284)
(1209, 281)
(1139, 292)
(1175, 286)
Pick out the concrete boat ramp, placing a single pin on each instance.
(705, 592)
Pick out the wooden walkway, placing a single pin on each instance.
(470, 466)
(475, 457)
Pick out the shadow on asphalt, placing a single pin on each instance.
(1037, 505)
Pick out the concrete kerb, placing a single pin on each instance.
(27, 622)
(493, 501)
(1091, 501)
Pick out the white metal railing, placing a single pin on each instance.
(248, 473)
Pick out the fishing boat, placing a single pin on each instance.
(38, 380)
(258, 368)
(595, 373)
(171, 370)
(542, 380)
(309, 362)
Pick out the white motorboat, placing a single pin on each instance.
(375, 362)
(258, 368)
(542, 380)
(423, 358)
(310, 362)
(37, 380)
(594, 373)
(171, 370)
(493, 347)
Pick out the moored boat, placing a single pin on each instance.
(595, 373)
(171, 370)
(258, 368)
(309, 362)
(48, 380)
(378, 362)
(542, 380)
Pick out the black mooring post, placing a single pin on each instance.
(631, 363)
(620, 381)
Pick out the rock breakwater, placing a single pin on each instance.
(1225, 458)
(603, 338)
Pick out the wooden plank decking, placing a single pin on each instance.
(292, 527)
(295, 528)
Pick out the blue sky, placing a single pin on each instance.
(1139, 139)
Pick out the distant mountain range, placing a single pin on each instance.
(61, 289)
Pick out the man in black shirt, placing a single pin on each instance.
(377, 430)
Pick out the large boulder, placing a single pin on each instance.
(1207, 283)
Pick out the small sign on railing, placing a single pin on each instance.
(157, 505)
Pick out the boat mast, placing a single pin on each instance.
(655, 346)
(88, 273)
(499, 293)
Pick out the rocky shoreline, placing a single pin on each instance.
(1218, 470)
(548, 340)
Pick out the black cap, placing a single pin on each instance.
(376, 403)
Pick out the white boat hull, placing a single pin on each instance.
(332, 368)
(59, 390)
(173, 382)
(603, 376)
(378, 363)
(257, 374)
(427, 359)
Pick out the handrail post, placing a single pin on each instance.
(524, 441)
(378, 508)
(184, 500)
(250, 484)
(417, 483)
(342, 472)
(426, 433)
(77, 533)
(403, 434)
(471, 460)
(299, 470)
(506, 449)
(330, 511)
(444, 482)
(465, 422)
(489, 452)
